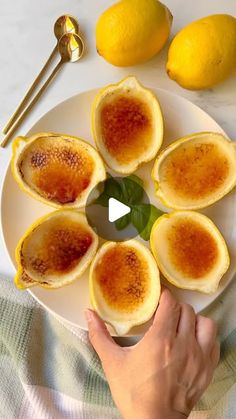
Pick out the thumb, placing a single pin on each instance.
(99, 336)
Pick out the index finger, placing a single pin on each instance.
(167, 315)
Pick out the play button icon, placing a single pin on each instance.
(117, 210)
(116, 207)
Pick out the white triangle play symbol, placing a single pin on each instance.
(116, 210)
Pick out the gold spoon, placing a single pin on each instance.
(71, 48)
(64, 24)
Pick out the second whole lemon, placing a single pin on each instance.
(204, 52)
(132, 31)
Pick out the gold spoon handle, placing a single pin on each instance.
(29, 93)
(32, 103)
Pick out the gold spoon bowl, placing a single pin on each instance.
(71, 49)
(64, 24)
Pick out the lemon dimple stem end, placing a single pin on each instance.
(17, 280)
(170, 16)
(121, 329)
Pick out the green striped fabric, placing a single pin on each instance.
(49, 369)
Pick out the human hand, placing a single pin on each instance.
(164, 374)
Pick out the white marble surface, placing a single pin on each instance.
(26, 35)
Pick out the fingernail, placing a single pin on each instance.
(89, 315)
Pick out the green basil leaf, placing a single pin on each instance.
(102, 197)
(101, 200)
(132, 191)
(140, 216)
(154, 214)
(123, 222)
(113, 189)
(136, 179)
(129, 191)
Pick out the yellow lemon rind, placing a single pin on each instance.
(194, 45)
(20, 270)
(122, 44)
(155, 176)
(157, 135)
(213, 286)
(19, 145)
(120, 326)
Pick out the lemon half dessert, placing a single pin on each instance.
(190, 251)
(56, 169)
(195, 171)
(127, 125)
(124, 284)
(55, 250)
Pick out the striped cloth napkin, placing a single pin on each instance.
(48, 370)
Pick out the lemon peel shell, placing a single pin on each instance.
(123, 320)
(161, 233)
(70, 276)
(129, 88)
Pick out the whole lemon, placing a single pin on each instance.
(203, 53)
(132, 31)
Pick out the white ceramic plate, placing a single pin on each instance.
(73, 117)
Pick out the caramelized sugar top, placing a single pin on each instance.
(122, 274)
(192, 249)
(57, 249)
(59, 169)
(25, 278)
(126, 127)
(196, 171)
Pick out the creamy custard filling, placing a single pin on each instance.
(192, 248)
(55, 247)
(123, 277)
(126, 127)
(195, 171)
(59, 170)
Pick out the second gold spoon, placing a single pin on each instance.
(71, 48)
(64, 24)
